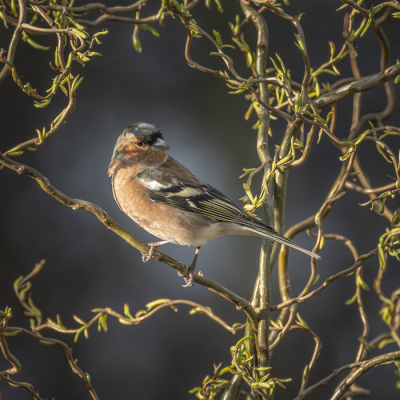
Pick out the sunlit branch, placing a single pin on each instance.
(124, 234)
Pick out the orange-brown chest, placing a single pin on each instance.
(156, 218)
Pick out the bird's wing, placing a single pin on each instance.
(173, 184)
(176, 186)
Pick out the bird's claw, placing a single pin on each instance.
(189, 280)
(146, 257)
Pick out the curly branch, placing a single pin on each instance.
(124, 234)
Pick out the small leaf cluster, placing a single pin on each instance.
(211, 385)
(244, 364)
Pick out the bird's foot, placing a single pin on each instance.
(153, 247)
(145, 257)
(148, 257)
(190, 278)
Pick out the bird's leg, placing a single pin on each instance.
(189, 281)
(153, 247)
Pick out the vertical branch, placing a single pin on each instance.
(265, 158)
(14, 40)
(279, 208)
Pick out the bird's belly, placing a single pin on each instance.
(161, 220)
(179, 228)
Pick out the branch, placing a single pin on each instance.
(124, 234)
(14, 40)
(326, 380)
(380, 189)
(331, 279)
(265, 157)
(128, 320)
(358, 86)
(68, 352)
(385, 359)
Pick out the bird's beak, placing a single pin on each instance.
(159, 144)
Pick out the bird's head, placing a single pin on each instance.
(140, 143)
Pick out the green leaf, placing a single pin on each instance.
(332, 47)
(149, 28)
(76, 83)
(244, 339)
(42, 104)
(378, 147)
(127, 312)
(366, 344)
(195, 390)
(231, 370)
(102, 323)
(387, 301)
(82, 34)
(156, 303)
(213, 53)
(33, 307)
(45, 342)
(395, 218)
(360, 282)
(340, 8)
(135, 40)
(318, 118)
(81, 27)
(361, 137)
(385, 342)
(140, 313)
(276, 67)
(343, 55)
(300, 44)
(281, 62)
(34, 44)
(300, 321)
(321, 71)
(53, 323)
(381, 256)
(366, 27)
(383, 206)
(77, 59)
(350, 144)
(103, 32)
(79, 333)
(219, 5)
(11, 333)
(345, 156)
(218, 38)
(351, 300)
(373, 128)
(17, 281)
(14, 9)
(238, 91)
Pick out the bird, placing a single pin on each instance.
(167, 200)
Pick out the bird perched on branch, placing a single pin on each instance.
(170, 202)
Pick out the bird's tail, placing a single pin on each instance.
(267, 232)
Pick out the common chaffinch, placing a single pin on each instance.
(170, 202)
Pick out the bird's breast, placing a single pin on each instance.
(160, 219)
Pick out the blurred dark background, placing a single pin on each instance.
(89, 266)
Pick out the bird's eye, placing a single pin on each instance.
(140, 143)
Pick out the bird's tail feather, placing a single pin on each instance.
(269, 233)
